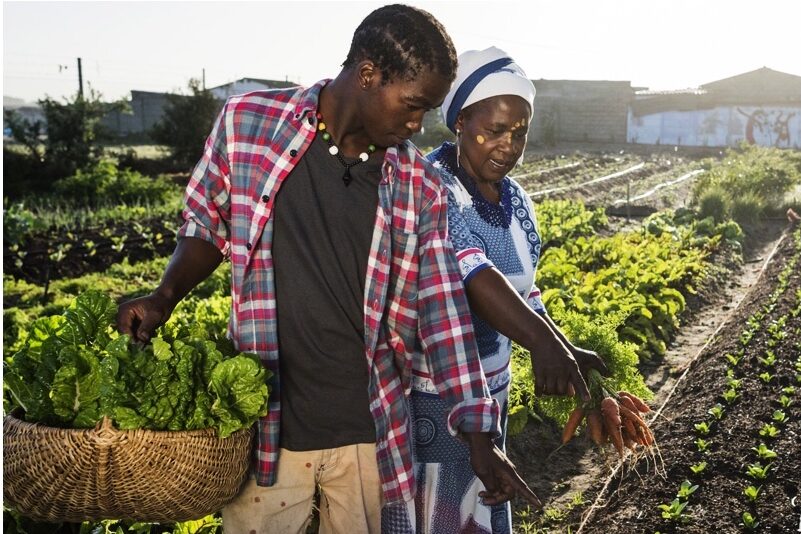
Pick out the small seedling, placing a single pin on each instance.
(766, 377)
(734, 383)
(751, 493)
(702, 444)
(789, 391)
(764, 452)
(749, 521)
(698, 468)
(730, 395)
(733, 360)
(769, 431)
(780, 417)
(686, 489)
(785, 401)
(702, 428)
(757, 471)
(716, 411)
(673, 511)
(769, 360)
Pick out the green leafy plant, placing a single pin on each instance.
(751, 493)
(674, 510)
(733, 360)
(785, 401)
(698, 468)
(764, 452)
(730, 395)
(757, 471)
(769, 360)
(769, 431)
(766, 377)
(74, 369)
(686, 489)
(703, 428)
(702, 444)
(749, 521)
(717, 411)
(780, 416)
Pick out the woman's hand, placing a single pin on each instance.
(556, 371)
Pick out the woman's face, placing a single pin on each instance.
(493, 136)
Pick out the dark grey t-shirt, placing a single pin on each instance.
(321, 242)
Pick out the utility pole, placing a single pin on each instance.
(204, 78)
(80, 80)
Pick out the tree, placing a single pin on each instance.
(67, 140)
(187, 121)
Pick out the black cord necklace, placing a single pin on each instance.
(334, 151)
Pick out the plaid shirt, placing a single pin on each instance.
(413, 299)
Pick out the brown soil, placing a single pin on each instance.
(578, 467)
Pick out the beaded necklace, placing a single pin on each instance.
(498, 215)
(334, 151)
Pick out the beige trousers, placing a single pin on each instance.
(350, 494)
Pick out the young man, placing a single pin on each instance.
(336, 230)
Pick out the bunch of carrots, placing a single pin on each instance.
(611, 417)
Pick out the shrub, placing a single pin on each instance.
(747, 208)
(714, 203)
(105, 183)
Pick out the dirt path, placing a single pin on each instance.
(575, 474)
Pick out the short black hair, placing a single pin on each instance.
(403, 41)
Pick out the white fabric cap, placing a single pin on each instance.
(484, 74)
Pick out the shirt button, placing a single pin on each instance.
(265, 198)
(293, 152)
(384, 253)
(248, 246)
(311, 119)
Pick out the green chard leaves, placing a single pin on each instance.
(73, 369)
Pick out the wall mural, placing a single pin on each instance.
(721, 126)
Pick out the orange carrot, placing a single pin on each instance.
(572, 423)
(626, 413)
(639, 405)
(628, 403)
(628, 426)
(595, 427)
(611, 416)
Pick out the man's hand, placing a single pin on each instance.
(496, 472)
(140, 317)
(556, 371)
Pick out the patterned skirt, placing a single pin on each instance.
(447, 500)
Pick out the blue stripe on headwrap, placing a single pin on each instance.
(469, 84)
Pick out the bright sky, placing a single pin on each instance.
(158, 46)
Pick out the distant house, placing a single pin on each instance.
(759, 107)
(26, 110)
(246, 85)
(147, 108)
(580, 111)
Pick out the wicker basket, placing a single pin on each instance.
(55, 474)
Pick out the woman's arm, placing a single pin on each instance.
(493, 299)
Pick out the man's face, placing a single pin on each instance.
(393, 112)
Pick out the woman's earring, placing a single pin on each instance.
(458, 144)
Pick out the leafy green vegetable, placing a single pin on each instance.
(74, 369)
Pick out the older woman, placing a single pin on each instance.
(494, 232)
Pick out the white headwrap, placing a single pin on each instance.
(483, 74)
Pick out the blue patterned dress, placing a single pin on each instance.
(483, 235)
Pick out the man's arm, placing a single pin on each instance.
(192, 262)
(203, 240)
